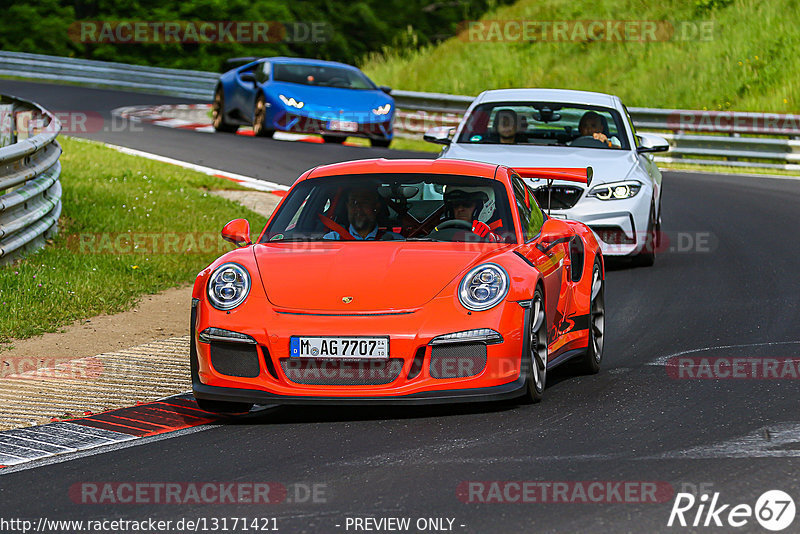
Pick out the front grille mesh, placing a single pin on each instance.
(327, 372)
(458, 361)
(563, 196)
(234, 359)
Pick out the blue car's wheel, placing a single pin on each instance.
(382, 143)
(337, 139)
(260, 127)
(218, 113)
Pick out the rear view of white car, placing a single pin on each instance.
(561, 128)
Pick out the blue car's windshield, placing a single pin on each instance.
(319, 75)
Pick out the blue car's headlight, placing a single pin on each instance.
(616, 191)
(228, 286)
(382, 110)
(291, 102)
(483, 287)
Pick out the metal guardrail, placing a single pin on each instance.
(175, 82)
(724, 130)
(30, 191)
(419, 111)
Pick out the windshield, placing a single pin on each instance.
(544, 123)
(319, 75)
(401, 207)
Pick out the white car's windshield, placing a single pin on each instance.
(544, 123)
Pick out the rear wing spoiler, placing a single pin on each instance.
(580, 175)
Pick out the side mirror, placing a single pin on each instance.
(386, 89)
(651, 143)
(237, 232)
(439, 135)
(552, 233)
(248, 77)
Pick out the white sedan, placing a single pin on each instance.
(561, 128)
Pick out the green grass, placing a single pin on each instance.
(751, 63)
(107, 193)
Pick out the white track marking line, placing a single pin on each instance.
(766, 442)
(247, 181)
(732, 174)
(663, 360)
(102, 448)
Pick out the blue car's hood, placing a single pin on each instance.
(331, 99)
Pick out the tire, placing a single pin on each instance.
(647, 257)
(260, 118)
(658, 227)
(336, 139)
(590, 362)
(223, 406)
(218, 114)
(380, 143)
(534, 356)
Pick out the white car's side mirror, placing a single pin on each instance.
(440, 135)
(651, 143)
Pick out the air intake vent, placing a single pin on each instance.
(458, 361)
(321, 372)
(563, 196)
(234, 359)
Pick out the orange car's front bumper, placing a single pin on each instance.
(411, 375)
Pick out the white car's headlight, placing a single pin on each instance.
(382, 110)
(228, 286)
(483, 287)
(616, 190)
(291, 102)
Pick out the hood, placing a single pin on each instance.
(331, 99)
(377, 275)
(608, 165)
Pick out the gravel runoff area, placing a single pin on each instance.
(108, 361)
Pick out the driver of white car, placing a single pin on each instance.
(593, 125)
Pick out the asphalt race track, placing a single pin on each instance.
(728, 287)
(267, 159)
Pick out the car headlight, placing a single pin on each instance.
(228, 286)
(483, 287)
(382, 110)
(616, 190)
(291, 102)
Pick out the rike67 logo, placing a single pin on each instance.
(774, 510)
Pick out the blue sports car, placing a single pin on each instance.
(303, 96)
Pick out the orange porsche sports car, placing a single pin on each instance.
(398, 281)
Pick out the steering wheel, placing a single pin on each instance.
(455, 223)
(338, 82)
(588, 141)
